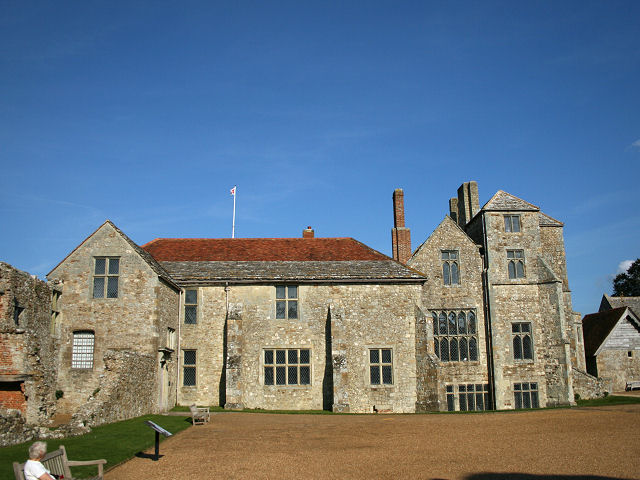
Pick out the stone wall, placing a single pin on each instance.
(618, 367)
(28, 362)
(588, 386)
(127, 388)
(135, 321)
(434, 376)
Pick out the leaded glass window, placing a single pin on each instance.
(450, 267)
(526, 395)
(287, 366)
(380, 366)
(82, 350)
(522, 341)
(106, 272)
(469, 397)
(286, 302)
(455, 335)
(189, 368)
(191, 307)
(515, 263)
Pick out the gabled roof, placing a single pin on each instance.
(192, 261)
(260, 249)
(615, 302)
(547, 221)
(596, 327)
(505, 201)
(447, 220)
(153, 264)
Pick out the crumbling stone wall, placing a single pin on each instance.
(587, 386)
(127, 388)
(28, 362)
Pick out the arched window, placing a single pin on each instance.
(450, 267)
(522, 341)
(515, 263)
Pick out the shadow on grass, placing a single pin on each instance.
(151, 456)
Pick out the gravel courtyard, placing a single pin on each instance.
(596, 442)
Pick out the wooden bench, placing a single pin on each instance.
(199, 415)
(58, 464)
(633, 384)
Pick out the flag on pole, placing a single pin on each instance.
(233, 190)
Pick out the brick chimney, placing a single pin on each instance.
(308, 232)
(400, 235)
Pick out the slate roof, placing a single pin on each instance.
(251, 260)
(632, 302)
(597, 326)
(192, 273)
(547, 221)
(505, 201)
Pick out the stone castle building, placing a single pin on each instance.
(478, 317)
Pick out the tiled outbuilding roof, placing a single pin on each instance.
(597, 326)
(260, 249)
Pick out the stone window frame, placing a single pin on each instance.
(192, 366)
(380, 366)
(171, 338)
(516, 267)
(450, 263)
(521, 334)
(83, 349)
(510, 226)
(457, 327)
(461, 396)
(108, 276)
(17, 312)
(190, 306)
(278, 362)
(283, 298)
(526, 395)
(55, 309)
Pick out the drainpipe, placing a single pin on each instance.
(487, 318)
(179, 344)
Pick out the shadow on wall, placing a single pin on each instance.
(529, 476)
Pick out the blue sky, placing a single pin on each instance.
(147, 113)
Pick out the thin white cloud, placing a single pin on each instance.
(635, 145)
(624, 266)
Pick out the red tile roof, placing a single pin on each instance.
(260, 249)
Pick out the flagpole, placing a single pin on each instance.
(233, 226)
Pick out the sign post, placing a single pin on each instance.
(159, 430)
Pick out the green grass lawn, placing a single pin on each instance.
(608, 400)
(115, 443)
